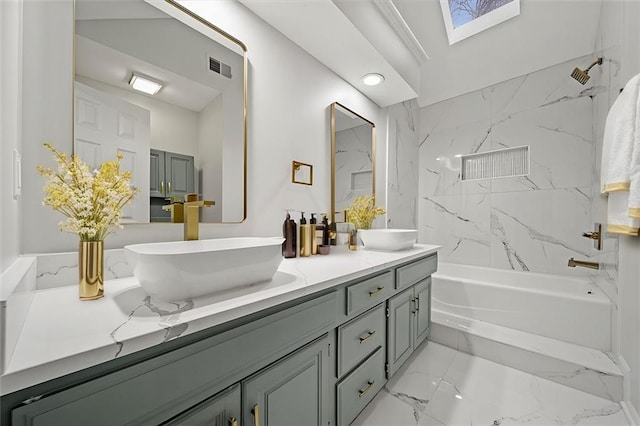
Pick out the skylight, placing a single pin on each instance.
(464, 18)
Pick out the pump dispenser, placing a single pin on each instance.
(325, 230)
(306, 237)
(313, 223)
(289, 246)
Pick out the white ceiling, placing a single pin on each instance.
(354, 37)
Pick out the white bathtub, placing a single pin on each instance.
(563, 308)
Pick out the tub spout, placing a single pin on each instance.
(573, 263)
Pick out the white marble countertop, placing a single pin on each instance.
(62, 334)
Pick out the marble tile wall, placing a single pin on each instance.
(531, 223)
(403, 169)
(354, 159)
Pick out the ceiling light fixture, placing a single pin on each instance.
(144, 84)
(373, 79)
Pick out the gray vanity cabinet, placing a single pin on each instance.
(170, 174)
(292, 392)
(315, 361)
(408, 323)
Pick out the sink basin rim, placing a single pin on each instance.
(201, 246)
(182, 270)
(388, 239)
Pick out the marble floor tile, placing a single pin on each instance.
(441, 386)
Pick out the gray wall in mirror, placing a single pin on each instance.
(198, 112)
(353, 157)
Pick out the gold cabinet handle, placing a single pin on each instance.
(256, 415)
(169, 188)
(162, 187)
(362, 392)
(375, 292)
(233, 421)
(364, 339)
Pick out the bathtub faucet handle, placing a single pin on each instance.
(595, 235)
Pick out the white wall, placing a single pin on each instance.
(10, 131)
(288, 119)
(209, 160)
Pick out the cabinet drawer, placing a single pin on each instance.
(368, 293)
(359, 387)
(416, 271)
(359, 337)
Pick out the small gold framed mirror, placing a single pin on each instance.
(301, 173)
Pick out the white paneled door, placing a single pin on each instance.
(105, 125)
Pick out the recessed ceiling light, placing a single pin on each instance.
(144, 84)
(373, 79)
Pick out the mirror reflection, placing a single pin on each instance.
(352, 157)
(167, 97)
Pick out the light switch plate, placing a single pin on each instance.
(17, 174)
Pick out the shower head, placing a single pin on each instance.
(583, 76)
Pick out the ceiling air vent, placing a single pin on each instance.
(219, 67)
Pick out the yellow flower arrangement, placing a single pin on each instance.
(363, 211)
(92, 201)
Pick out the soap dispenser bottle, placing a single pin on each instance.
(306, 237)
(325, 230)
(313, 223)
(289, 246)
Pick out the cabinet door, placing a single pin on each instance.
(222, 409)
(292, 391)
(157, 185)
(400, 330)
(422, 294)
(179, 173)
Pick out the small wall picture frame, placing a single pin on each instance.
(301, 173)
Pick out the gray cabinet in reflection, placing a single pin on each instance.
(292, 392)
(171, 174)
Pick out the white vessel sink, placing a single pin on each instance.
(180, 270)
(388, 239)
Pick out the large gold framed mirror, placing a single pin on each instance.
(353, 158)
(189, 136)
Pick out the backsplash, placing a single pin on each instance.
(529, 223)
(61, 269)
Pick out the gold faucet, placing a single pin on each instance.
(192, 215)
(573, 263)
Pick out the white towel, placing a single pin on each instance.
(620, 176)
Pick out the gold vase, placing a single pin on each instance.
(91, 269)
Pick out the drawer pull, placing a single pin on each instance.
(162, 187)
(362, 392)
(256, 415)
(375, 292)
(364, 339)
(233, 421)
(417, 303)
